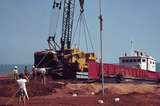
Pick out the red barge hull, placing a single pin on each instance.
(111, 70)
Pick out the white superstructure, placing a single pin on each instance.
(138, 59)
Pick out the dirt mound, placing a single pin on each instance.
(131, 87)
(60, 93)
(9, 87)
(35, 88)
(81, 89)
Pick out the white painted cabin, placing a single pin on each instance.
(138, 59)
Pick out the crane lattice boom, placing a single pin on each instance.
(67, 24)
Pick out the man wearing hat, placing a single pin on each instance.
(15, 72)
(34, 72)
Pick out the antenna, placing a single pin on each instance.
(132, 47)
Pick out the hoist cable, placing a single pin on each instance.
(73, 37)
(57, 23)
(79, 36)
(90, 39)
(56, 20)
(85, 34)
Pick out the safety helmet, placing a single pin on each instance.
(16, 67)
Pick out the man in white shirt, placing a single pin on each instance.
(34, 73)
(22, 93)
(15, 72)
(42, 72)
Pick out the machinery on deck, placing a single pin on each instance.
(61, 59)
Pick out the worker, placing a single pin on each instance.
(15, 72)
(22, 91)
(34, 72)
(42, 72)
(26, 73)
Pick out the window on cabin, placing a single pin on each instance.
(130, 60)
(126, 60)
(134, 60)
(143, 60)
(123, 61)
(139, 60)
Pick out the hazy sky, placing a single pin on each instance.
(24, 27)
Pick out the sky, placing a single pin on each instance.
(24, 28)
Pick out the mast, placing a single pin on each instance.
(67, 25)
(132, 47)
(101, 46)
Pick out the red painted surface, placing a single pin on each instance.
(112, 69)
(93, 70)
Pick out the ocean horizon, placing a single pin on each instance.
(7, 68)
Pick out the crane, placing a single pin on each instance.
(65, 59)
(67, 25)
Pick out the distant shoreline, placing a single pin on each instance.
(7, 68)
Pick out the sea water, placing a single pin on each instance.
(158, 67)
(7, 68)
